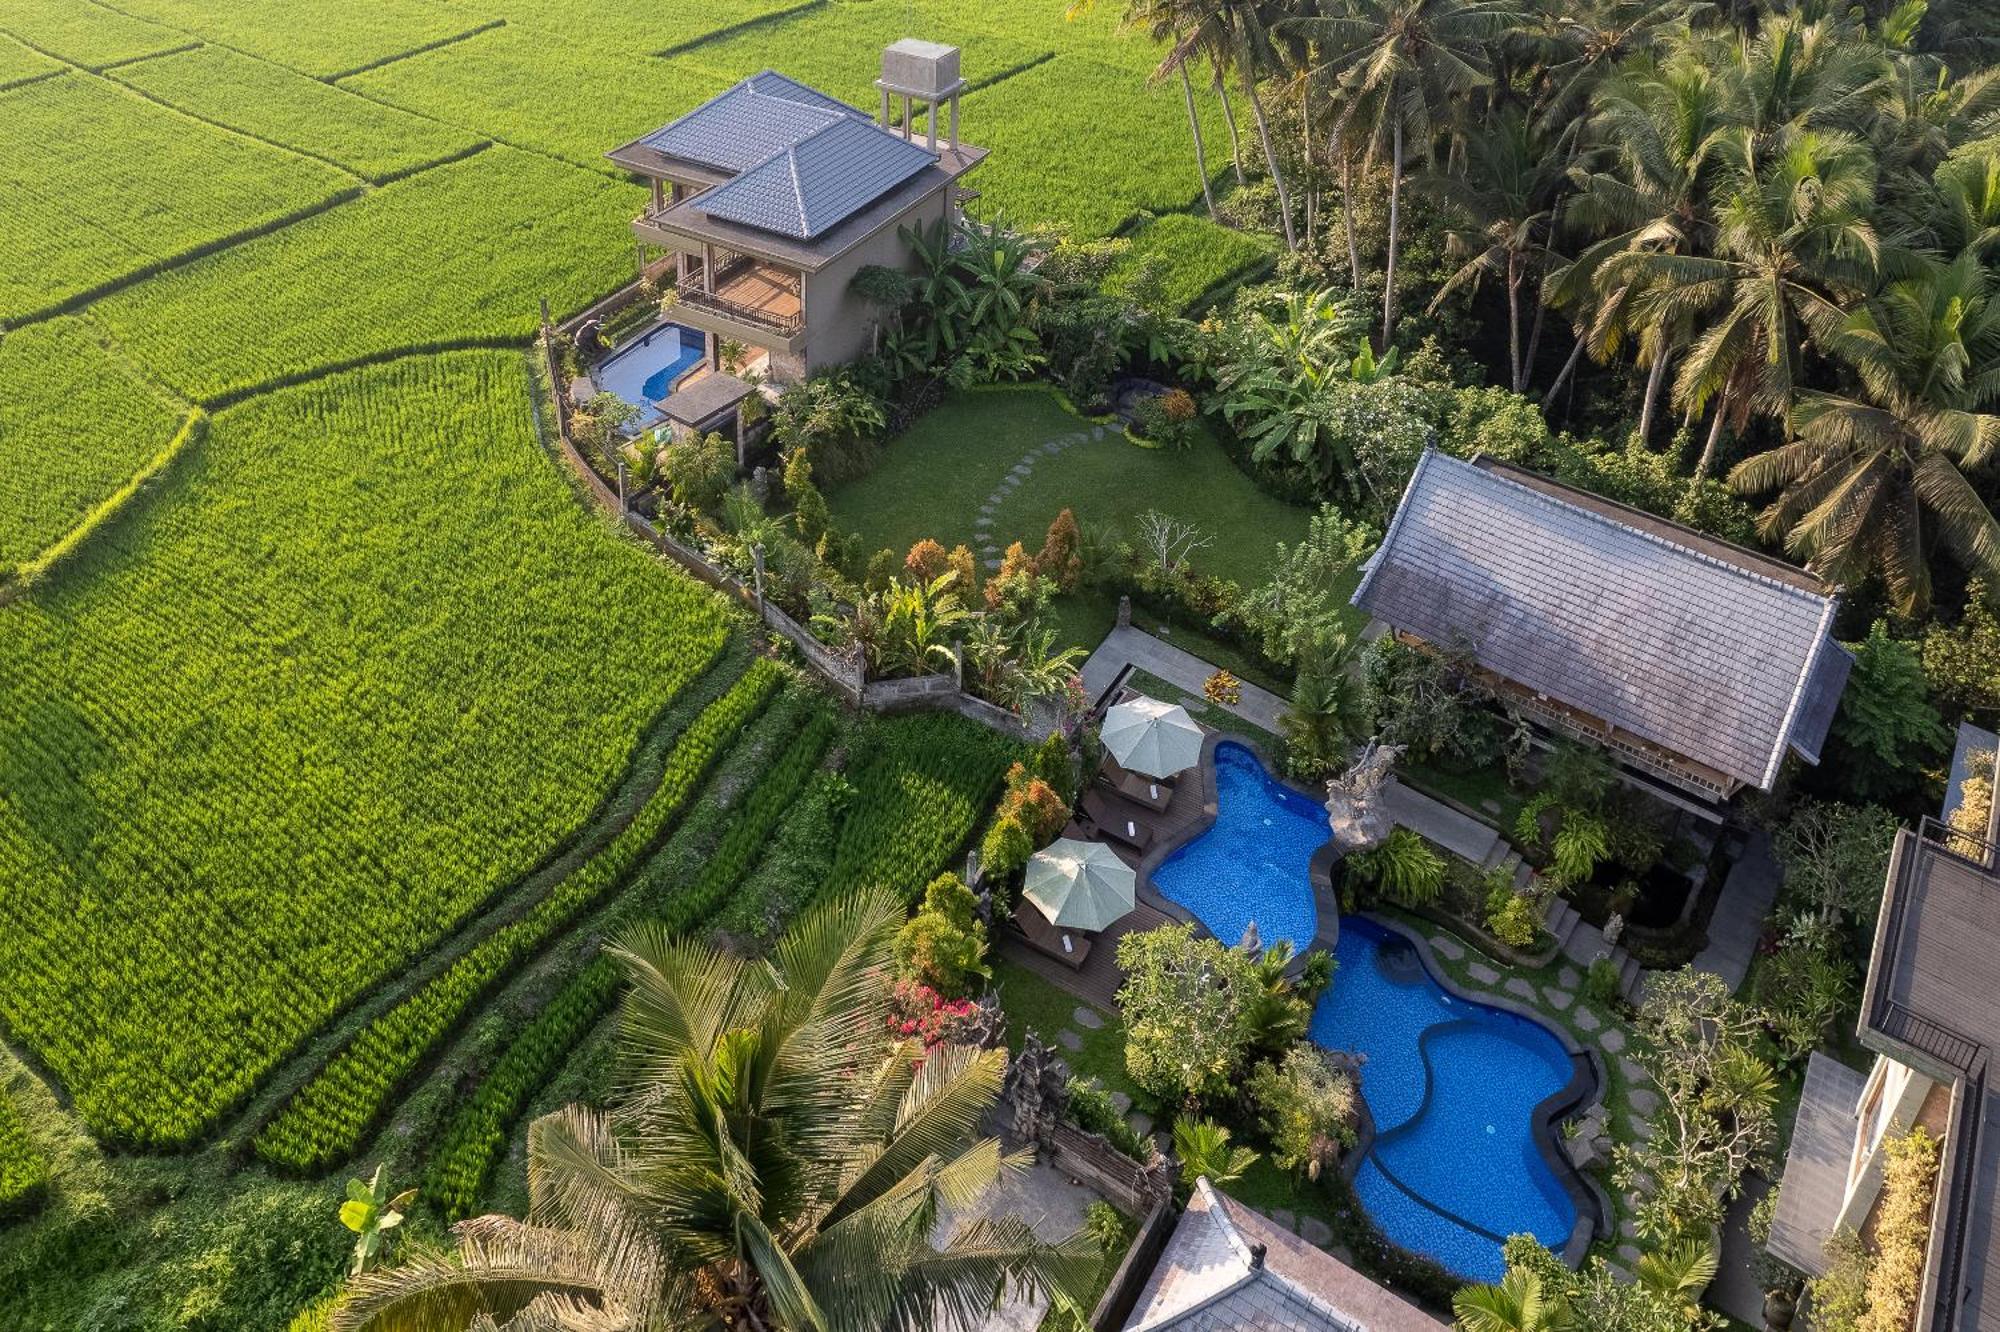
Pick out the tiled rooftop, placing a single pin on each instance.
(1719, 656)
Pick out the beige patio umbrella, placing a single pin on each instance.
(1079, 885)
(1151, 737)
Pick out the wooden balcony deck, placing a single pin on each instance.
(755, 294)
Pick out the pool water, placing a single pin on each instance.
(643, 371)
(1251, 864)
(1450, 1084)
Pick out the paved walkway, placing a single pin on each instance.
(1460, 834)
(1178, 667)
(1738, 923)
(1051, 1204)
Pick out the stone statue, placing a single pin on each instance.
(1354, 805)
(1037, 1084)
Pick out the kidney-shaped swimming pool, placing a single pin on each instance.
(1451, 1084)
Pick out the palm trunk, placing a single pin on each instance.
(1654, 378)
(1200, 153)
(1534, 342)
(1270, 150)
(1229, 119)
(1347, 211)
(1395, 223)
(1707, 459)
(1514, 320)
(1312, 173)
(1569, 368)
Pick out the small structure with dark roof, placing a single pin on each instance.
(707, 403)
(1693, 661)
(1227, 1269)
(771, 196)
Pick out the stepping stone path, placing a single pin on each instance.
(1630, 1068)
(1121, 1103)
(1586, 1020)
(1629, 1228)
(1520, 989)
(1141, 1123)
(1568, 979)
(1629, 1254)
(1315, 1231)
(1643, 1100)
(1558, 999)
(1087, 1018)
(1490, 806)
(1484, 974)
(1612, 1039)
(1069, 1040)
(1280, 1216)
(1446, 947)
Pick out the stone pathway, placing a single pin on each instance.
(1747, 896)
(1182, 669)
(989, 508)
(1051, 1204)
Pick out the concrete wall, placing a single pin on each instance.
(1890, 1102)
(842, 324)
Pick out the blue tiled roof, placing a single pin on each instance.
(820, 181)
(1664, 638)
(737, 129)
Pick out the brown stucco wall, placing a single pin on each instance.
(841, 324)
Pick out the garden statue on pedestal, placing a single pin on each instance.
(1354, 807)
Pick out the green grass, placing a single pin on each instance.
(84, 33)
(535, 90)
(932, 480)
(323, 38)
(451, 256)
(368, 665)
(1472, 788)
(1196, 257)
(271, 102)
(133, 184)
(1034, 1004)
(77, 424)
(621, 27)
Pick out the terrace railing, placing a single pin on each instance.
(786, 325)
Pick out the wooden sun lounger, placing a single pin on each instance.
(1117, 820)
(1069, 947)
(1153, 792)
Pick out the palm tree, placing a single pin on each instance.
(1186, 28)
(1871, 479)
(1250, 52)
(1581, 43)
(1203, 1147)
(1405, 63)
(1517, 1304)
(1661, 123)
(1677, 1272)
(1502, 204)
(1793, 237)
(769, 1163)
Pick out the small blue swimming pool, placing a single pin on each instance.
(1251, 864)
(643, 371)
(1451, 1084)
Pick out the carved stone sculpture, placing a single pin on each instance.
(1354, 806)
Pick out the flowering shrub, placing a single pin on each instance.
(1223, 688)
(917, 1012)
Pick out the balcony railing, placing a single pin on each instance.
(787, 325)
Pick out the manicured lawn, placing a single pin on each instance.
(1474, 788)
(1033, 1004)
(932, 480)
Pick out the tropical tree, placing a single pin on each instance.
(1517, 1304)
(768, 1162)
(1502, 204)
(1871, 479)
(1204, 1149)
(909, 626)
(1793, 238)
(1405, 64)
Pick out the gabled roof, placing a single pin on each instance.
(819, 181)
(1718, 654)
(1227, 1269)
(764, 114)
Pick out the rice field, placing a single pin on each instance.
(623, 28)
(19, 64)
(76, 421)
(538, 91)
(272, 103)
(265, 743)
(454, 256)
(84, 33)
(1195, 258)
(323, 38)
(142, 186)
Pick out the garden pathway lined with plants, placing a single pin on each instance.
(989, 508)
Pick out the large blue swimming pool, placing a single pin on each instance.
(1451, 1084)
